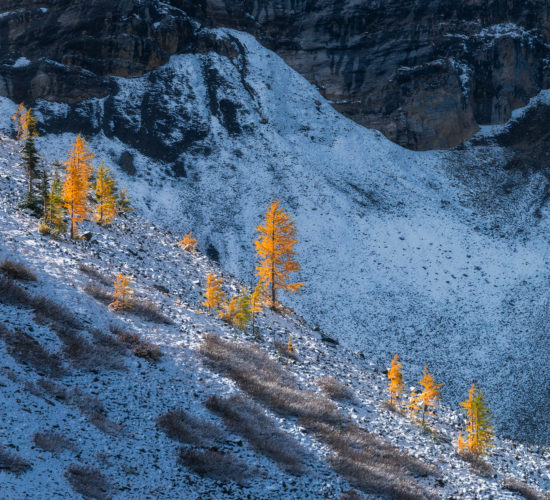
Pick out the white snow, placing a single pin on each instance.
(397, 251)
(140, 460)
(20, 62)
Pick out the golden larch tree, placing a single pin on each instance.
(124, 205)
(430, 395)
(479, 431)
(228, 312)
(19, 117)
(213, 293)
(275, 249)
(396, 380)
(77, 182)
(243, 313)
(55, 214)
(123, 292)
(106, 196)
(188, 242)
(290, 347)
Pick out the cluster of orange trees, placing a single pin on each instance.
(277, 259)
(479, 431)
(81, 192)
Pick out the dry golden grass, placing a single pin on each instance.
(90, 356)
(479, 466)
(149, 311)
(90, 406)
(89, 482)
(10, 462)
(372, 464)
(96, 274)
(52, 441)
(526, 491)
(16, 270)
(217, 465)
(246, 418)
(182, 427)
(26, 350)
(262, 378)
(103, 295)
(45, 309)
(141, 348)
(334, 389)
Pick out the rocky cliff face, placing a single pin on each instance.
(74, 47)
(426, 73)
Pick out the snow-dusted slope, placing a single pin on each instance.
(106, 402)
(399, 250)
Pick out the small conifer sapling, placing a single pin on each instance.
(430, 394)
(213, 295)
(123, 293)
(188, 242)
(105, 192)
(243, 313)
(479, 431)
(396, 381)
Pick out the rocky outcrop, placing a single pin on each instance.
(426, 73)
(71, 48)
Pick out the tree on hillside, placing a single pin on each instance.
(77, 183)
(430, 394)
(105, 191)
(123, 293)
(30, 156)
(228, 311)
(275, 249)
(123, 202)
(213, 293)
(20, 116)
(44, 190)
(243, 313)
(188, 242)
(479, 431)
(396, 380)
(54, 217)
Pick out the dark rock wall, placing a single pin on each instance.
(424, 72)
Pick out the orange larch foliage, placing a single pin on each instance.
(21, 121)
(396, 380)
(289, 344)
(213, 294)
(429, 396)
(188, 242)
(479, 431)
(77, 182)
(105, 191)
(229, 310)
(123, 292)
(275, 248)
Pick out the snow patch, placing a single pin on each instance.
(21, 62)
